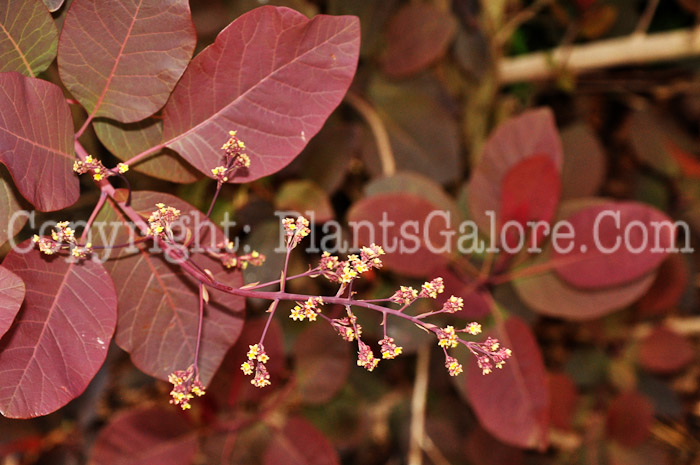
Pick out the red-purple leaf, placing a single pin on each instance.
(529, 192)
(11, 220)
(128, 140)
(28, 37)
(159, 302)
(665, 351)
(532, 133)
(512, 404)
(11, 298)
(614, 243)
(424, 133)
(583, 171)
(321, 362)
(664, 294)
(563, 399)
(300, 443)
(483, 449)
(417, 36)
(59, 338)
(629, 418)
(274, 76)
(401, 223)
(121, 60)
(36, 141)
(155, 436)
(549, 295)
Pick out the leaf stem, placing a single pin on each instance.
(137, 158)
(199, 330)
(93, 215)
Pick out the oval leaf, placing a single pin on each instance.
(629, 418)
(36, 141)
(424, 134)
(417, 36)
(300, 443)
(122, 60)
(28, 37)
(147, 435)
(11, 297)
(274, 76)
(583, 171)
(530, 192)
(321, 364)
(513, 403)
(159, 302)
(665, 351)
(60, 337)
(614, 243)
(668, 288)
(549, 295)
(401, 223)
(532, 133)
(128, 140)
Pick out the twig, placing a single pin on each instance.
(523, 16)
(418, 401)
(632, 49)
(381, 137)
(647, 16)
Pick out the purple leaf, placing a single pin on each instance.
(615, 243)
(322, 364)
(159, 302)
(383, 218)
(530, 192)
(417, 36)
(512, 403)
(11, 298)
(300, 443)
(122, 59)
(59, 338)
(36, 141)
(153, 435)
(274, 76)
(28, 37)
(532, 133)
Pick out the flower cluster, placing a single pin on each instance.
(345, 271)
(347, 327)
(62, 238)
(406, 295)
(230, 259)
(389, 349)
(452, 305)
(186, 385)
(432, 288)
(160, 222)
(453, 366)
(365, 357)
(306, 310)
(92, 164)
(98, 170)
(257, 358)
(447, 337)
(490, 354)
(234, 159)
(295, 230)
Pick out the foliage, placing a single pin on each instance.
(403, 138)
